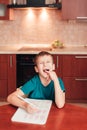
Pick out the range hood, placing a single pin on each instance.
(35, 4)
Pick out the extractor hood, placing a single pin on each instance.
(35, 4)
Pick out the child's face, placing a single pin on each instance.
(44, 63)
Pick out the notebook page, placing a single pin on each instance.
(36, 118)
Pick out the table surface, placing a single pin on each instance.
(68, 118)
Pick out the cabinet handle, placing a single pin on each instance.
(57, 61)
(10, 61)
(81, 18)
(80, 79)
(79, 57)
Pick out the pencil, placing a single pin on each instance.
(23, 99)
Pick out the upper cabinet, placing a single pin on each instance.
(5, 13)
(35, 3)
(74, 9)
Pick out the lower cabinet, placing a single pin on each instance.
(7, 74)
(76, 88)
(11, 73)
(58, 64)
(3, 88)
(74, 69)
(71, 68)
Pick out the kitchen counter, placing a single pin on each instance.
(21, 49)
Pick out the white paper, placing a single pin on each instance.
(36, 118)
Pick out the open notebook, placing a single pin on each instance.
(36, 118)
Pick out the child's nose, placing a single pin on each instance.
(45, 63)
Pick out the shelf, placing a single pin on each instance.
(58, 6)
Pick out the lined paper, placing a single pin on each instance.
(39, 117)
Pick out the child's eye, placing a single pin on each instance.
(41, 62)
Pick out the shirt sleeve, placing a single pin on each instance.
(28, 87)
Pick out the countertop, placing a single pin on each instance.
(15, 49)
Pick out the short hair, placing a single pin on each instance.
(42, 53)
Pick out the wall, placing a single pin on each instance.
(37, 26)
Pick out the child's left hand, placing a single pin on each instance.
(52, 74)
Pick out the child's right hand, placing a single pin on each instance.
(31, 109)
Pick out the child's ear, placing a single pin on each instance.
(53, 66)
(36, 69)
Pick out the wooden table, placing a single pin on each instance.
(68, 118)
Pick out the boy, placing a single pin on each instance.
(44, 85)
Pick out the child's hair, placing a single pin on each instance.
(42, 53)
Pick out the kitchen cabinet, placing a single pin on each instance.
(21, 4)
(71, 9)
(74, 69)
(71, 68)
(11, 73)
(58, 64)
(5, 13)
(3, 75)
(7, 74)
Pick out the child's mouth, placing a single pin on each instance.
(45, 70)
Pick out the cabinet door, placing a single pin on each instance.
(68, 63)
(3, 71)
(3, 88)
(71, 9)
(3, 58)
(3, 75)
(80, 66)
(3, 66)
(76, 89)
(75, 65)
(58, 64)
(11, 73)
(7, 74)
(75, 76)
(5, 13)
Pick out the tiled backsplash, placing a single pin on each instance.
(37, 26)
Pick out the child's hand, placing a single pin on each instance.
(52, 74)
(31, 109)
